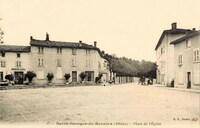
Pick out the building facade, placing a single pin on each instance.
(187, 61)
(59, 58)
(165, 54)
(14, 60)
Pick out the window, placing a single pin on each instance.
(180, 59)
(40, 62)
(99, 65)
(3, 54)
(162, 50)
(3, 63)
(196, 55)
(18, 64)
(188, 43)
(105, 64)
(87, 51)
(73, 63)
(18, 55)
(1, 76)
(59, 63)
(40, 50)
(59, 50)
(162, 64)
(90, 75)
(73, 51)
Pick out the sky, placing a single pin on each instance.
(129, 28)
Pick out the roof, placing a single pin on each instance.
(185, 37)
(48, 43)
(14, 48)
(172, 31)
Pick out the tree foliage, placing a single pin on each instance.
(1, 35)
(67, 76)
(123, 66)
(30, 75)
(9, 77)
(50, 76)
(82, 75)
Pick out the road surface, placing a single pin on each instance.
(127, 104)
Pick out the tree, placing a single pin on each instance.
(9, 77)
(30, 75)
(67, 76)
(50, 76)
(123, 66)
(82, 76)
(1, 35)
(98, 78)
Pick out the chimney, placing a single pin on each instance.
(47, 37)
(174, 25)
(31, 38)
(80, 43)
(95, 44)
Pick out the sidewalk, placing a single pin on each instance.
(177, 89)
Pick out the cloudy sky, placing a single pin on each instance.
(128, 28)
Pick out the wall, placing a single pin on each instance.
(188, 64)
(11, 59)
(50, 57)
(165, 61)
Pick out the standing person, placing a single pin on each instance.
(140, 80)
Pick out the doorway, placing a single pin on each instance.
(74, 76)
(188, 79)
(19, 78)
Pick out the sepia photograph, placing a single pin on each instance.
(100, 63)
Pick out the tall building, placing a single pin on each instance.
(187, 61)
(165, 54)
(46, 56)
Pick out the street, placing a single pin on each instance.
(127, 103)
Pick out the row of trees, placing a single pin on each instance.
(123, 66)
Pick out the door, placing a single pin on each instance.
(1, 76)
(90, 75)
(188, 79)
(74, 76)
(19, 78)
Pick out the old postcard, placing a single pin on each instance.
(100, 63)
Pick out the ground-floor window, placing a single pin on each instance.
(1, 76)
(90, 75)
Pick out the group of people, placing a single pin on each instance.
(142, 81)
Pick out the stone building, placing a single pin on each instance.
(14, 60)
(187, 61)
(165, 54)
(46, 56)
